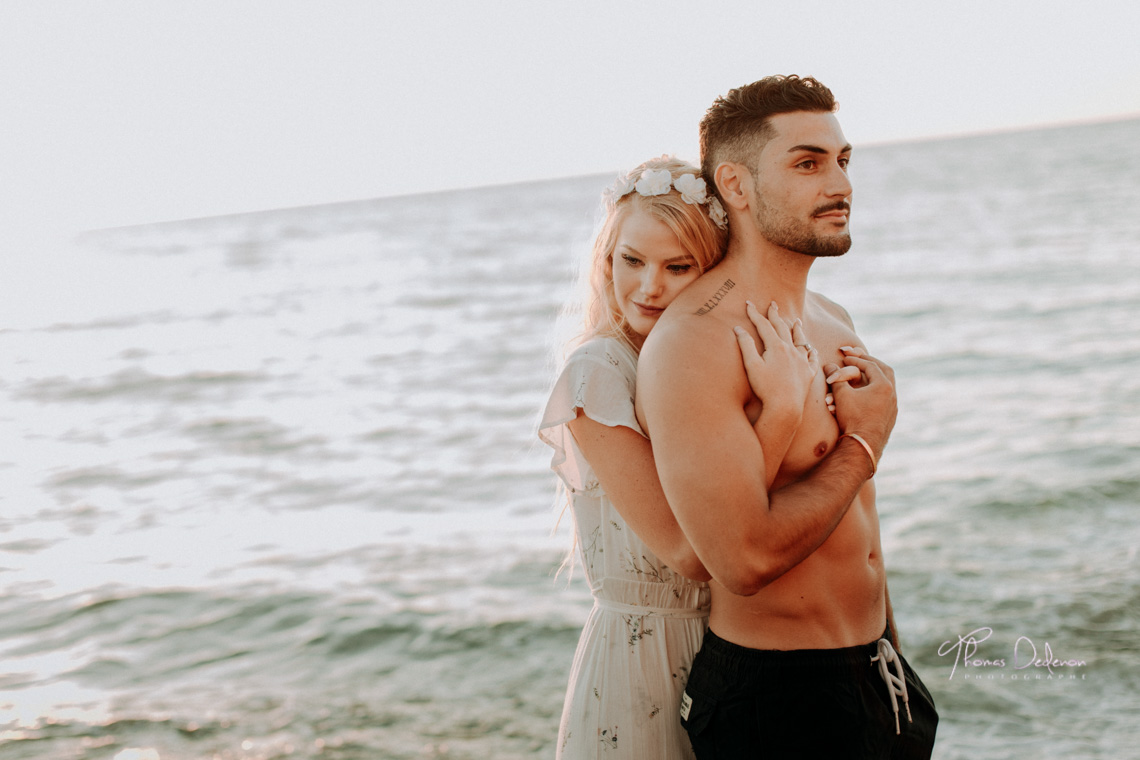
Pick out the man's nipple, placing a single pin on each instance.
(820, 449)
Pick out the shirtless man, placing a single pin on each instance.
(798, 659)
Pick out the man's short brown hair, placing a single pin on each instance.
(737, 125)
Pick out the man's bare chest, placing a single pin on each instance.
(818, 431)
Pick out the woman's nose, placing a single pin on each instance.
(652, 282)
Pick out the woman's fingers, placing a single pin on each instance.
(747, 348)
(844, 375)
(799, 338)
(768, 333)
(774, 329)
(870, 367)
(813, 360)
(783, 329)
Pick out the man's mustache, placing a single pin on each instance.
(837, 206)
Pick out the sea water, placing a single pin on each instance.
(269, 485)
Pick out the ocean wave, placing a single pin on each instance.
(136, 384)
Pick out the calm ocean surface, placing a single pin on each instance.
(269, 485)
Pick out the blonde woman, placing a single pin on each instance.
(661, 231)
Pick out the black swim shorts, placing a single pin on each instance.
(804, 703)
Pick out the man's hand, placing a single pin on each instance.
(865, 399)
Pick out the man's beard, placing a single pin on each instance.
(794, 235)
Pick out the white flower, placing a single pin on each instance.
(692, 189)
(621, 188)
(716, 213)
(654, 182)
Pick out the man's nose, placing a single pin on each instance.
(839, 184)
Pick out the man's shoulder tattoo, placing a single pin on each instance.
(711, 304)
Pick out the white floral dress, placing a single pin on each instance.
(647, 622)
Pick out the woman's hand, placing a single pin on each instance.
(780, 376)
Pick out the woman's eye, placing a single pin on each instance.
(680, 268)
(630, 260)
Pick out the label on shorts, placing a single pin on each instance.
(686, 705)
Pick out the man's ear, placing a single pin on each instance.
(733, 182)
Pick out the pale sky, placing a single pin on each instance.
(116, 113)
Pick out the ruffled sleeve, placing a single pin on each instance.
(599, 378)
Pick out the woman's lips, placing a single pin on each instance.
(648, 311)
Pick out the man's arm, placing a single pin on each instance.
(622, 460)
(842, 314)
(692, 391)
(891, 618)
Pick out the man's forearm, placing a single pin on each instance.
(822, 497)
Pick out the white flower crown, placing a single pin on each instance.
(660, 181)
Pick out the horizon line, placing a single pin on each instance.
(1039, 127)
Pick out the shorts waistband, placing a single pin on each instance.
(725, 654)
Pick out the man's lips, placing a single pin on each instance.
(836, 211)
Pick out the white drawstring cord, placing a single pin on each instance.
(896, 684)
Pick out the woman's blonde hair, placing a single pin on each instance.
(690, 221)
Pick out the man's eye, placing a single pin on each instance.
(807, 164)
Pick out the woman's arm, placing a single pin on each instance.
(775, 438)
(622, 460)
